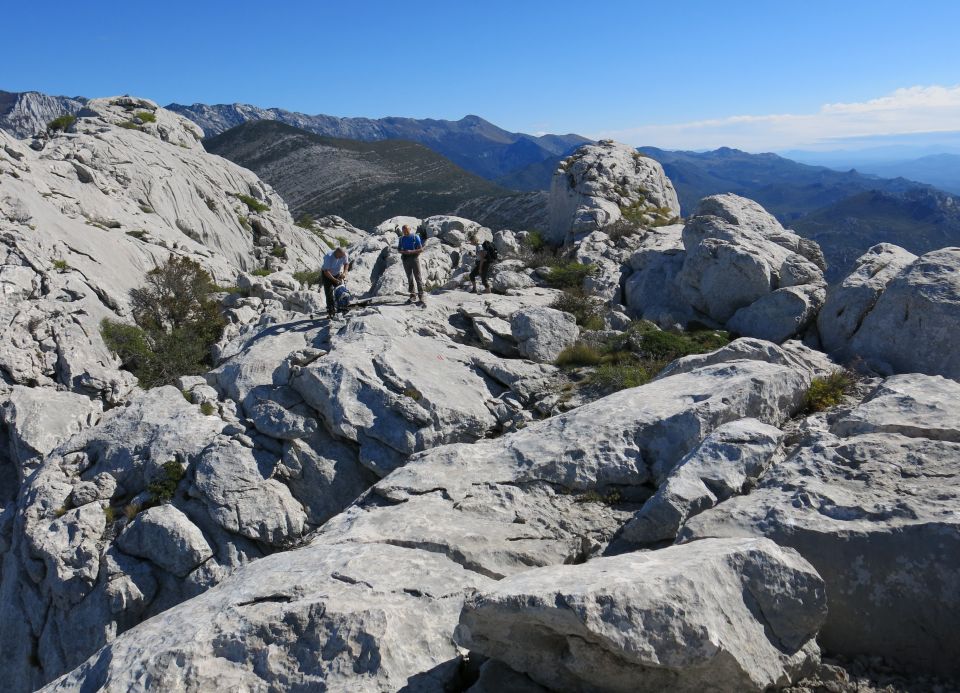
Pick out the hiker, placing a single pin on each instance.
(333, 272)
(410, 247)
(486, 256)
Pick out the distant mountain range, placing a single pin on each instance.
(26, 113)
(364, 182)
(471, 142)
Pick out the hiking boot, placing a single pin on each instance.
(421, 301)
(409, 301)
(486, 290)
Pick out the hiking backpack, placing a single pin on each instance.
(491, 250)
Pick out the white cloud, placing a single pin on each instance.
(905, 111)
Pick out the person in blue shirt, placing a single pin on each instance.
(410, 247)
(333, 273)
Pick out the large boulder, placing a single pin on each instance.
(166, 537)
(915, 324)
(871, 503)
(848, 304)
(724, 615)
(542, 333)
(595, 186)
(732, 266)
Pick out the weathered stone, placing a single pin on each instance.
(542, 333)
(872, 505)
(167, 538)
(644, 622)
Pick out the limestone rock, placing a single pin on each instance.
(848, 303)
(871, 503)
(644, 622)
(915, 324)
(592, 187)
(732, 456)
(781, 314)
(166, 537)
(542, 333)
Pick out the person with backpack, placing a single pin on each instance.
(486, 256)
(333, 273)
(410, 247)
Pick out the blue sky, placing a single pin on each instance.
(759, 75)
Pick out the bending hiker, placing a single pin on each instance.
(410, 247)
(333, 272)
(486, 256)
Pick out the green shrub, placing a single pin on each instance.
(129, 125)
(307, 277)
(577, 355)
(342, 241)
(535, 241)
(139, 234)
(305, 221)
(278, 251)
(244, 222)
(413, 393)
(110, 514)
(252, 203)
(569, 274)
(585, 309)
(61, 123)
(827, 392)
(147, 209)
(146, 116)
(620, 376)
(176, 323)
(60, 265)
(207, 409)
(163, 487)
(261, 272)
(645, 339)
(610, 498)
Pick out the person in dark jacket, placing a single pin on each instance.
(410, 247)
(486, 256)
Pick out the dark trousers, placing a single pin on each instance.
(484, 274)
(328, 287)
(411, 265)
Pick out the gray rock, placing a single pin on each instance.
(642, 621)
(871, 503)
(780, 315)
(848, 303)
(243, 498)
(338, 618)
(592, 187)
(915, 324)
(167, 538)
(542, 333)
(731, 457)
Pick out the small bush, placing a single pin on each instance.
(535, 241)
(413, 393)
(584, 308)
(110, 514)
(147, 209)
(611, 498)
(827, 392)
(139, 234)
(245, 223)
(176, 319)
(261, 272)
(577, 355)
(130, 510)
(60, 265)
(305, 221)
(342, 241)
(307, 277)
(252, 203)
(146, 116)
(165, 485)
(620, 376)
(569, 274)
(278, 251)
(129, 125)
(207, 409)
(62, 123)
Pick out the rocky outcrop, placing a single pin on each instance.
(542, 333)
(24, 114)
(870, 501)
(600, 183)
(466, 514)
(643, 622)
(732, 266)
(898, 314)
